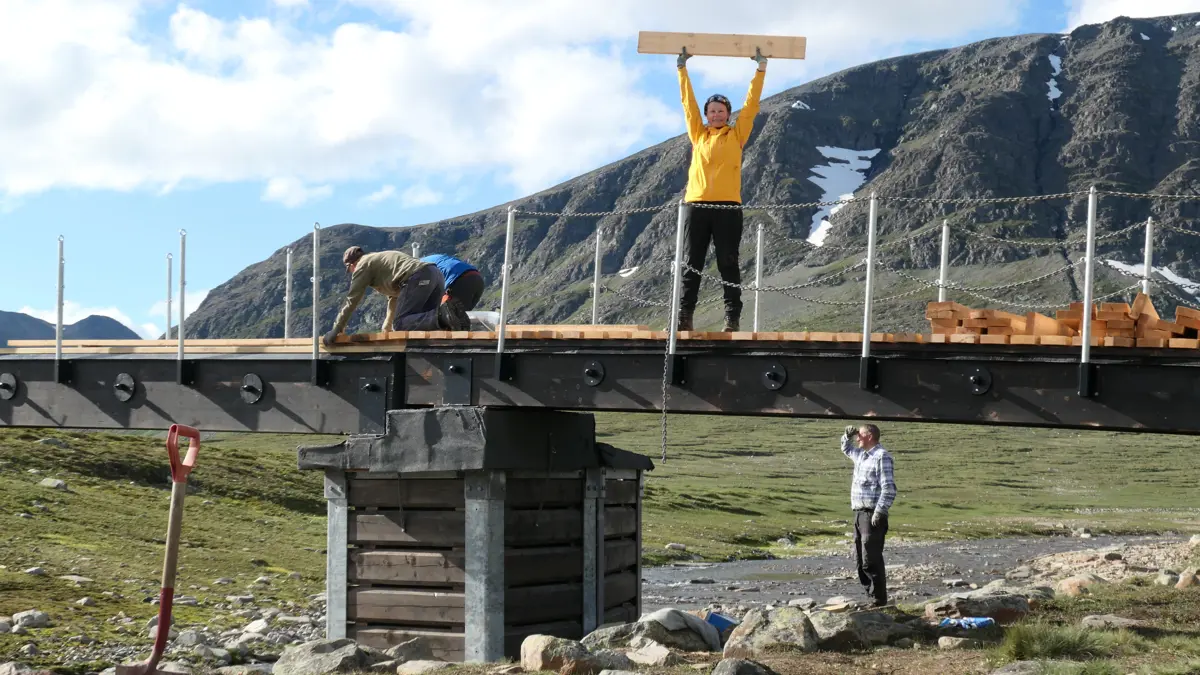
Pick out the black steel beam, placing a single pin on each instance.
(1134, 390)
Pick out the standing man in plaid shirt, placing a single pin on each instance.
(871, 495)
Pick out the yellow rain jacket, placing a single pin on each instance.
(715, 174)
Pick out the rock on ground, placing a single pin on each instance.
(320, 657)
(649, 653)
(415, 649)
(1110, 621)
(546, 652)
(32, 618)
(1189, 578)
(762, 631)
(1003, 607)
(1077, 585)
(837, 631)
(947, 642)
(741, 667)
(678, 633)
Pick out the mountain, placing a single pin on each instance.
(1111, 105)
(17, 326)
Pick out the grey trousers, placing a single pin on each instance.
(868, 554)
(417, 306)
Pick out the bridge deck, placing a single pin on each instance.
(348, 389)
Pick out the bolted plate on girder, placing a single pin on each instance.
(8, 386)
(252, 388)
(123, 387)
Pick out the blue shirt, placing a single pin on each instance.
(452, 268)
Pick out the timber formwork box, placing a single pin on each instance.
(474, 528)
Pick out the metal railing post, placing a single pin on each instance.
(1147, 274)
(182, 376)
(674, 372)
(182, 286)
(316, 291)
(58, 325)
(596, 279)
(416, 249)
(1085, 371)
(945, 266)
(676, 282)
(866, 373)
(758, 264)
(505, 273)
(170, 266)
(287, 297)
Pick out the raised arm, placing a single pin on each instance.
(392, 304)
(745, 120)
(848, 448)
(691, 109)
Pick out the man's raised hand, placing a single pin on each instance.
(851, 431)
(759, 58)
(683, 57)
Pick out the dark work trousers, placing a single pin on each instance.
(417, 308)
(868, 554)
(724, 228)
(467, 289)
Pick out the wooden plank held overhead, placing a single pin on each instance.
(721, 44)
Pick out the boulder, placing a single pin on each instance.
(879, 628)
(14, 668)
(319, 657)
(546, 652)
(32, 618)
(947, 642)
(416, 649)
(1164, 578)
(837, 631)
(669, 627)
(763, 632)
(1020, 574)
(1077, 585)
(53, 484)
(802, 603)
(1111, 621)
(1188, 579)
(1003, 607)
(610, 659)
(741, 667)
(650, 653)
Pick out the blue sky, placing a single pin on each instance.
(244, 123)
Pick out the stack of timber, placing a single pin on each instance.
(406, 568)
(1113, 324)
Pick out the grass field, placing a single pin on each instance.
(729, 488)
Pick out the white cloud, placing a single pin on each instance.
(383, 194)
(150, 331)
(420, 195)
(1098, 11)
(291, 192)
(192, 298)
(74, 312)
(290, 3)
(537, 92)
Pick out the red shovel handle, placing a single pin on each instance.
(181, 469)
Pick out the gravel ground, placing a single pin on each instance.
(915, 571)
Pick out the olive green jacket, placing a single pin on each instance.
(387, 272)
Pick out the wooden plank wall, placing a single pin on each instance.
(406, 566)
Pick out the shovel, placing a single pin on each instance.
(179, 473)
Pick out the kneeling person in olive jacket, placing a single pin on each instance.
(414, 290)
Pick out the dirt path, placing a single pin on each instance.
(915, 572)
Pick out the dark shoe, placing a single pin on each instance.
(685, 321)
(732, 321)
(451, 316)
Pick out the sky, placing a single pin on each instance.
(123, 122)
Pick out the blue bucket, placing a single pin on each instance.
(721, 622)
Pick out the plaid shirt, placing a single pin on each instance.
(873, 486)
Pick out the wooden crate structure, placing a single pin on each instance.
(475, 560)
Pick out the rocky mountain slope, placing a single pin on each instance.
(17, 326)
(1113, 105)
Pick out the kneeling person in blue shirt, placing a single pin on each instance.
(464, 283)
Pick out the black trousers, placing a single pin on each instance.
(723, 227)
(868, 554)
(467, 289)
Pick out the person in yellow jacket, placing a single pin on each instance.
(715, 177)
